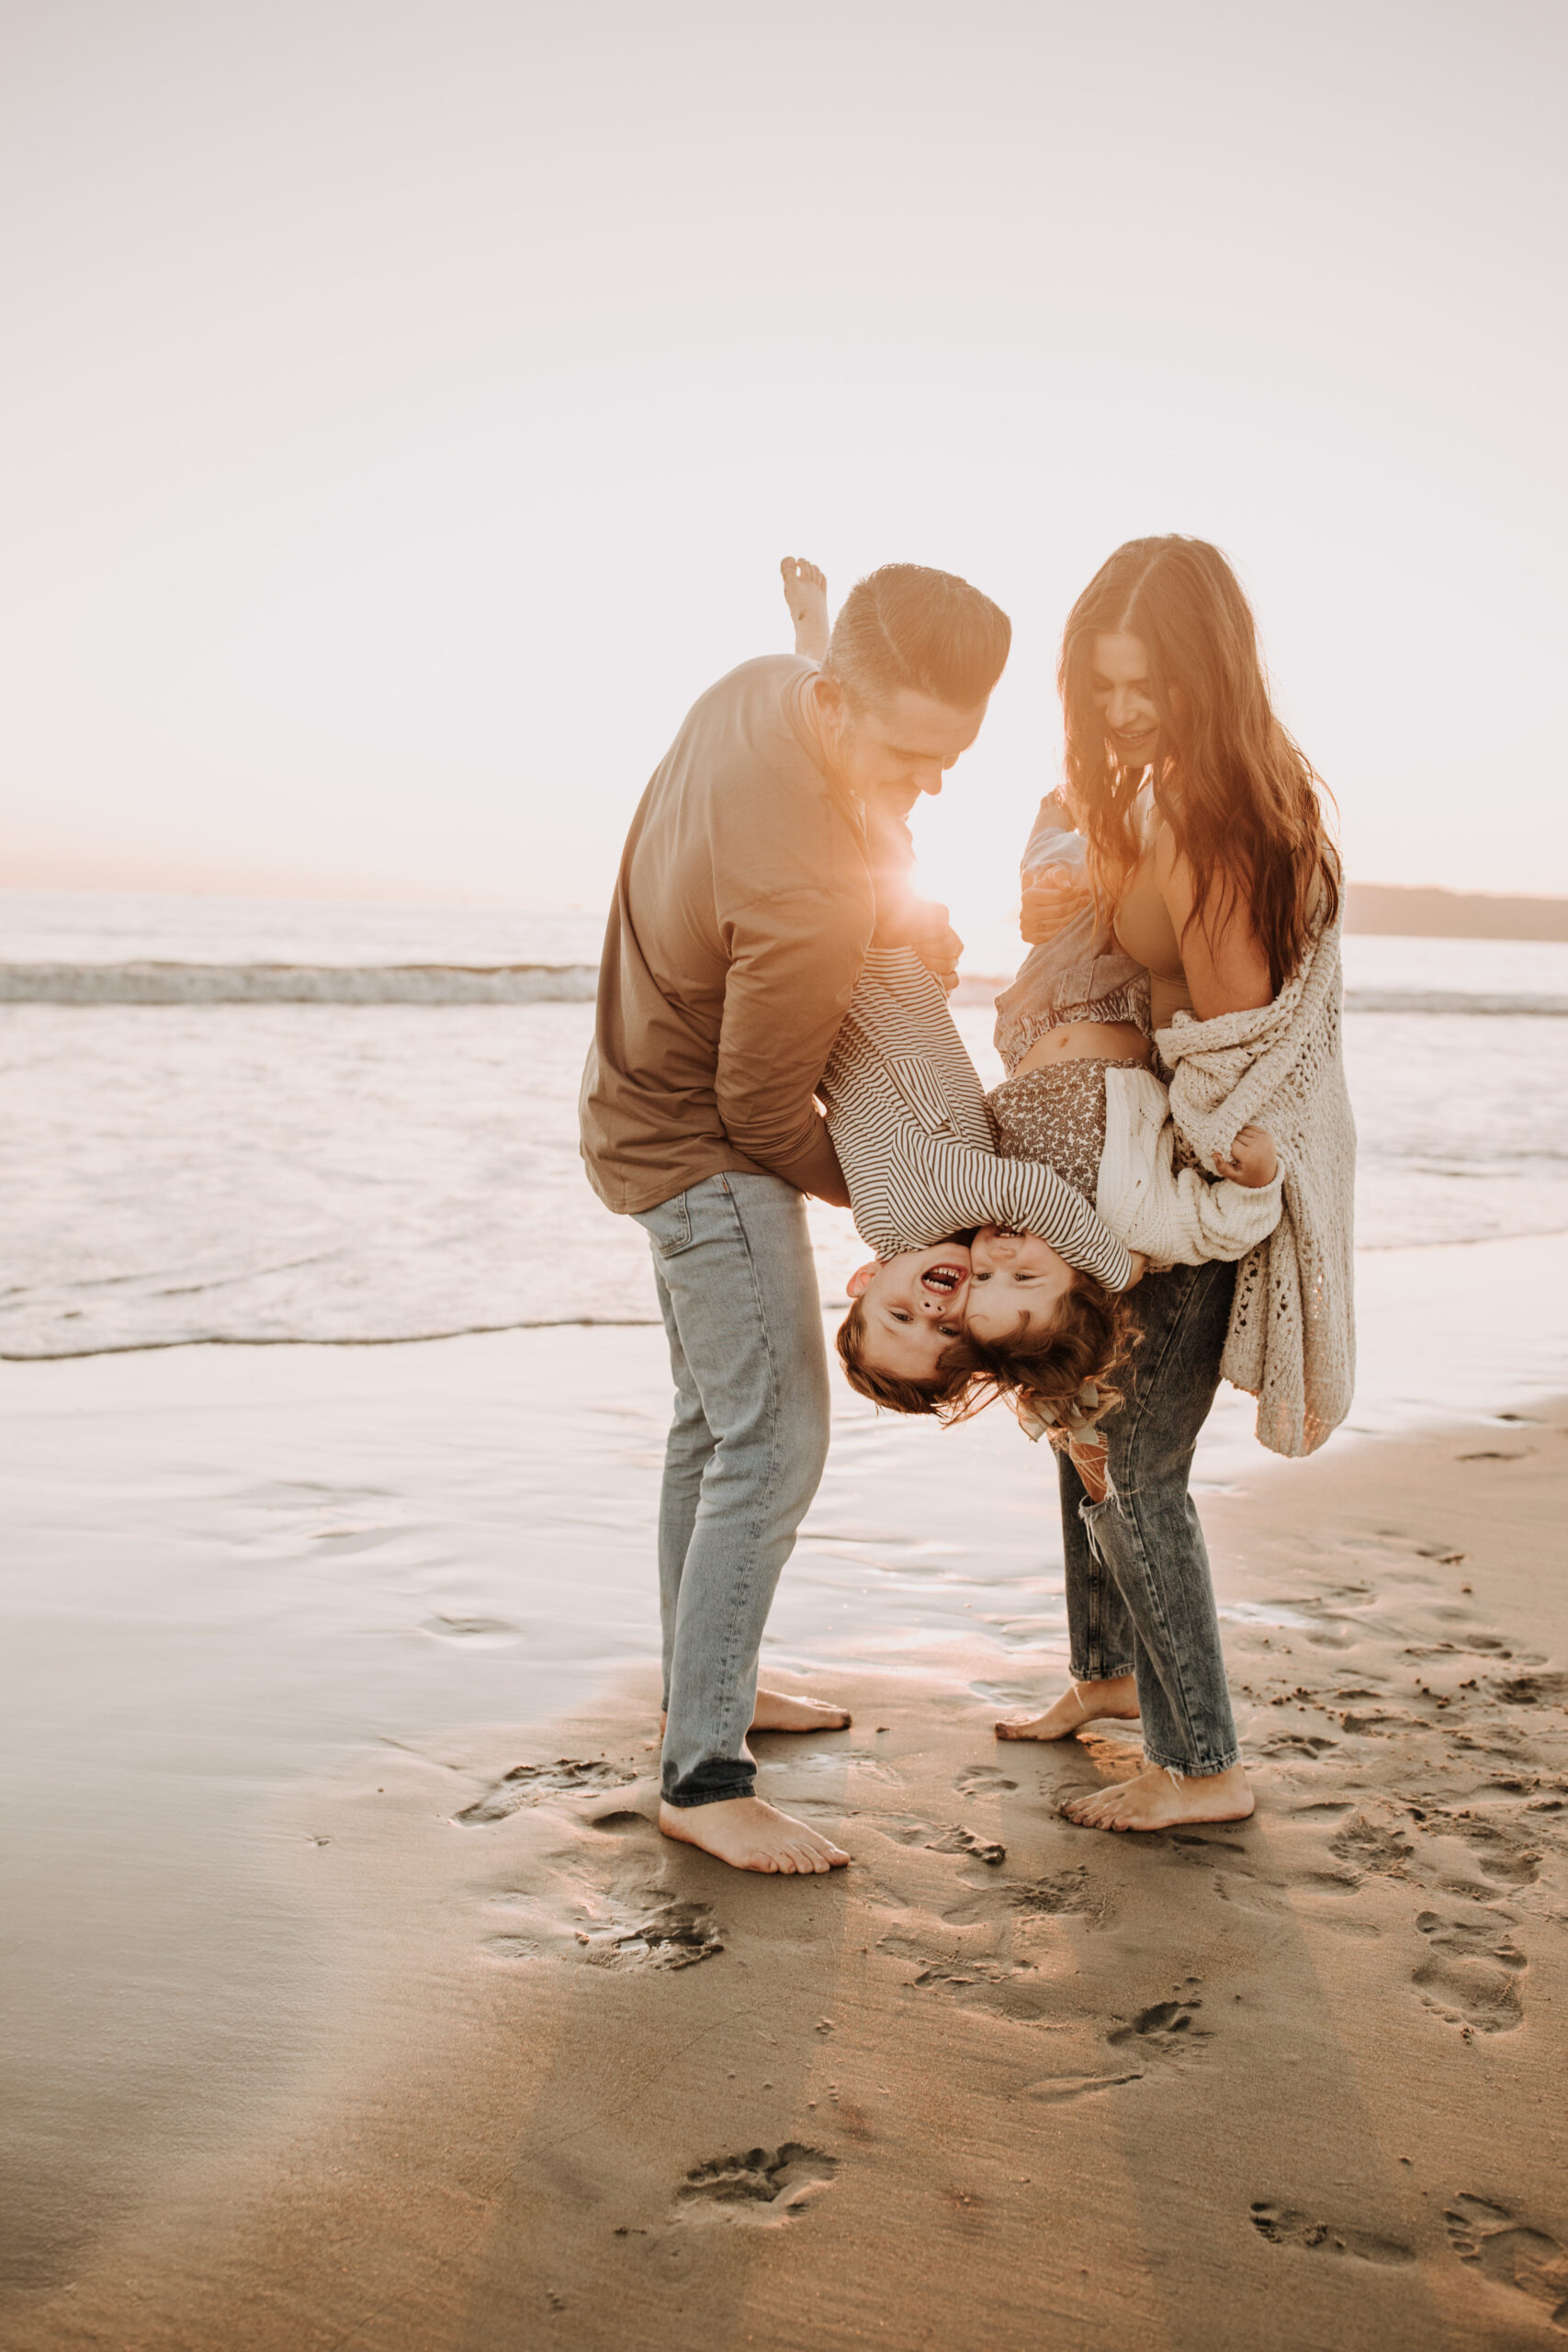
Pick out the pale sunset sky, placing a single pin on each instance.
(407, 405)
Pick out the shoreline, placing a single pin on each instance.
(1394, 1273)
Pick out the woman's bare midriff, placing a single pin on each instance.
(1088, 1041)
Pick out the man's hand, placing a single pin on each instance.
(939, 951)
(1053, 895)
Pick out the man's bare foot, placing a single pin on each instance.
(751, 1836)
(1159, 1799)
(1080, 1704)
(806, 593)
(781, 1711)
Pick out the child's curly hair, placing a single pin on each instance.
(1092, 1337)
(944, 1395)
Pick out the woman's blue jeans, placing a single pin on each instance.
(1140, 1597)
(737, 1290)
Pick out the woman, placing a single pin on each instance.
(1208, 867)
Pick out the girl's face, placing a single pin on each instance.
(1012, 1276)
(1124, 696)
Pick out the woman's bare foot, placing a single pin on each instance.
(1080, 1704)
(1159, 1799)
(781, 1711)
(751, 1836)
(806, 593)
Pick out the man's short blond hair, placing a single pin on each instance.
(909, 626)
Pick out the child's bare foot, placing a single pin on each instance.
(781, 1711)
(1159, 1799)
(806, 593)
(751, 1836)
(1080, 1704)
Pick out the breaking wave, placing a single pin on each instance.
(151, 983)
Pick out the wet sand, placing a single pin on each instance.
(340, 2022)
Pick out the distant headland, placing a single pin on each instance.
(1452, 914)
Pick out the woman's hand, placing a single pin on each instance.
(1053, 895)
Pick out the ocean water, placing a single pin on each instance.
(276, 1120)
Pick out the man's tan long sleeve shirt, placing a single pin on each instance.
(743, 912)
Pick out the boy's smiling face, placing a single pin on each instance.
(1013, 1274)
(913, 1307)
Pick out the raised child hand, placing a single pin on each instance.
(1254, 1161)
(1053, 895)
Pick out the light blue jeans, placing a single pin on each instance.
(737, 1291)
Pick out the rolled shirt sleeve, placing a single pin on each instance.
(792, 973)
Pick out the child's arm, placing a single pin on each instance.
(960, 1187)
(1178, 1217)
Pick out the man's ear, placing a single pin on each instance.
(860, 1281)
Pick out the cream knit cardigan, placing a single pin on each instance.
(1291, 1341)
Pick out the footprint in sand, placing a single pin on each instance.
(640, 1929)
(1065, 1894)
(1534, 1690)
(1159, 2036)
(905, 1830)
(1366, 1845)
(1025, 1995)
(766, 2185)
(1284, 2225)
(1510, 2252)
(1503, 1852)
(1297, 1744)
(1470, 1979)
(532, 1783)
(1165, 2032)
(984, 1781)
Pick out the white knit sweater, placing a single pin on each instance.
(1174, 1216)
(1291, 1341)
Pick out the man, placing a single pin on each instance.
(746, 903)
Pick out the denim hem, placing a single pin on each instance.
(708, 1796)
(1106, 1673)
(1188, 1770)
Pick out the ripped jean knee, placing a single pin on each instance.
(1093, 1516)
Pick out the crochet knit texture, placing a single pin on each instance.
(1291, 1341)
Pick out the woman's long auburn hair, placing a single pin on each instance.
(1240, 798)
